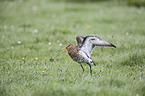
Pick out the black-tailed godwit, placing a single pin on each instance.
(81, 53)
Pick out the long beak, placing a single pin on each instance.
(63, 50)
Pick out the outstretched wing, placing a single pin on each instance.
(90, 42)
(79, 40)
(100, 42)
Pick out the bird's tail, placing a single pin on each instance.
(92, 63)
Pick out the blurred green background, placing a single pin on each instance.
(32, 32)
(137, 3)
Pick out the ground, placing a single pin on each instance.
(31, 33)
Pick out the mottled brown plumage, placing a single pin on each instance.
(73, 52)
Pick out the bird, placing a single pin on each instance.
(81, 52)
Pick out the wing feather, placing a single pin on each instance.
(79, 40)
(100, 42)
(89, 42)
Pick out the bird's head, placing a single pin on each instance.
(67, 47)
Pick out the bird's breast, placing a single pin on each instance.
(74, 55)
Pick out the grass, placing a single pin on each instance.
(32, 32)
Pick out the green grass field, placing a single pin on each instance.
(32, 32)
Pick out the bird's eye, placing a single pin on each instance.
(68, 45)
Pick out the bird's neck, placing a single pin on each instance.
(70, 49)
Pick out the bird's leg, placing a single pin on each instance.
(82, 66)
(90, 69)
